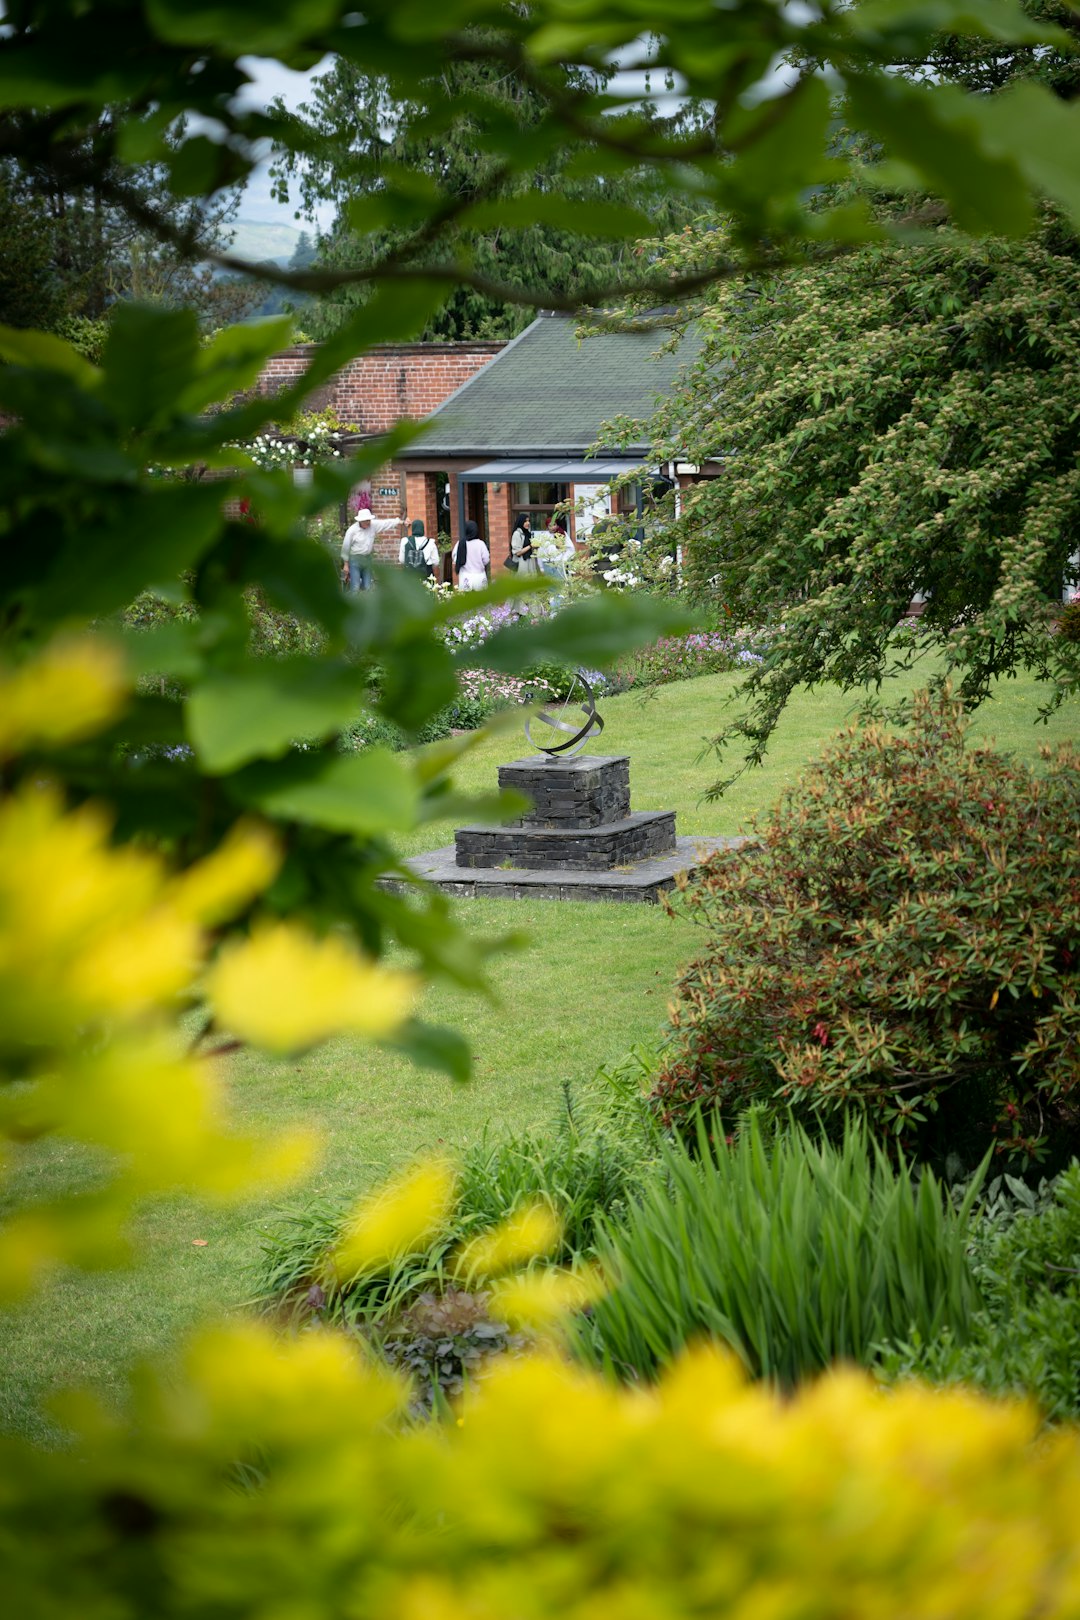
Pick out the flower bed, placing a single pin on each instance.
(681, 658)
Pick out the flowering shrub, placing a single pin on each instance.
(680, 658)
(481, 693)
(308, 441)
(905, 941)
(484, 692)
(474, 628)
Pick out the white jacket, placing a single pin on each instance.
(359, 538)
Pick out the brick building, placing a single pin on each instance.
(526, 432)
(509, 427)
(378, 389)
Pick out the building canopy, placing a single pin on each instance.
(556, 471)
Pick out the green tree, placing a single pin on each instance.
(304, 253)
(357, 136)
(897, 422)
(29, 292)
(93, 248)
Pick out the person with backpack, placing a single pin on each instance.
(418, 552)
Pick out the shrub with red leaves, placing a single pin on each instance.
(903, 941)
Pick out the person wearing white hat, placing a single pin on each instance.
(358, 546)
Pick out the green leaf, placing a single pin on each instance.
(270, 28)
(591, 632)
(435, 760)
(300, 578)
(260, 710)
(47, 353)
(985, 19)
(234, 360)
(493, 808)
(433, 1046)
(785, 142)
(150, 357)
(556, 40)
(395, 313)
(364, 794)
(164, 649)
(136, 540)
(1041, 134)
(939, 131)
(418, 681)
(200, 166)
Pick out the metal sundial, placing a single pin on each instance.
(563, 733)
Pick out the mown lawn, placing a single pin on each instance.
(591, 982)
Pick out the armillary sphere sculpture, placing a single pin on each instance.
(563, 734)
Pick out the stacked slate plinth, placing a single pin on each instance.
(580, 840)
(581, 820)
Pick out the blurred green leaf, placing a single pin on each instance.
(258, 711)
(592, 632)
(365, 794)
(433, 1046)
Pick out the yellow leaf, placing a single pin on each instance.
(399, 1219)
(542, 1298)
(284, 990)
(529, 1232)
(71, 690)
(237, 872)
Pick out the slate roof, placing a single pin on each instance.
(547, 393)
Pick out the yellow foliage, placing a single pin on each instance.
(531, 1231)
(242, 866)
(400, 1218)
(69, 691)
(557, 1495)
(99, 945)
(539, 1299)
(284, 990)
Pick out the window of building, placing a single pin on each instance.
(539, 501)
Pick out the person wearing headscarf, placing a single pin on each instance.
(471, 560)
(521, 547)
(555, 550)
(417, 552)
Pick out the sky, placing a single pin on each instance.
(269, 80)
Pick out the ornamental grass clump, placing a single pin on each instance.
(1023, 1338)
(903, 942)
(577, 1173)
(795, 1254)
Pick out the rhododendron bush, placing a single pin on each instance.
(904, 941)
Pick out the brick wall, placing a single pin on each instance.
(392, 380)
(370, 394)
(500, 520)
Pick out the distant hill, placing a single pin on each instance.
(258, 239)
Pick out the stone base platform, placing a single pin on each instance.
(642, 881)
(636, 837)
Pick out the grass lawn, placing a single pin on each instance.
(592, 982)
